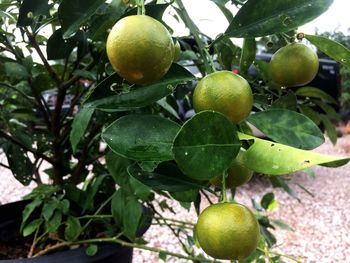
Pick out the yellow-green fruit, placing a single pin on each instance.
(294, 65)
(237, 175)
(140, 49)
(227, 231)
(225, 92)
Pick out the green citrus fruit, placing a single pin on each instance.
(140, 49)
(225, 92)
(237, 175)
(177, 52)
(294, 65)
(227, 231)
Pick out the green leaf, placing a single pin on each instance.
(288, 101)
(55, 221)
(117, 167)
(32, 227)
(91, 250)
(227, 53)
(266, 17)
(88, 202)
(248, 54)
(48, 209)
(271, 158)
(79, 126)
(59, 48)
(73, 13)
(205, 145)
(16, 71)
(142, 137)
(28, 210)
(20, 164)
(282, 225)
(142, 96)
(131, 217)
(330, 128)
(331, 48)
(315, 93)
(185, 196)
(269, 237)
(310, 113)
(139, 189)
(153, 10)
(31, 8)
(117, 206)
(166, 177)
(73, 228)
(267, 200)
(288, 127)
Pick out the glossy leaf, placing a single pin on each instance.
(248, 54)
(266, 17)
(142, 96)
(166, 177)
(73, 13)
(288, 127)
(315, 93)
(331, 48)
(271, 158)
(79, 126)
(205, 145)
(59, 48)
(31, 8)
(142, 137)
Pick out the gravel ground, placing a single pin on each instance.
(321, 222)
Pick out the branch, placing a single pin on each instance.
(5, 166)
(49, 69)
(82, 161)
(18, 143)
(122, 243)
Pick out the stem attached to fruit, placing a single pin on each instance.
(141, 7)
(223, 188)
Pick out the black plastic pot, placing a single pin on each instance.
(10, 220)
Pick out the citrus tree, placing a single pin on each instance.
(114, 141)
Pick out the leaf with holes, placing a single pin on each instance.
(271, 158)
